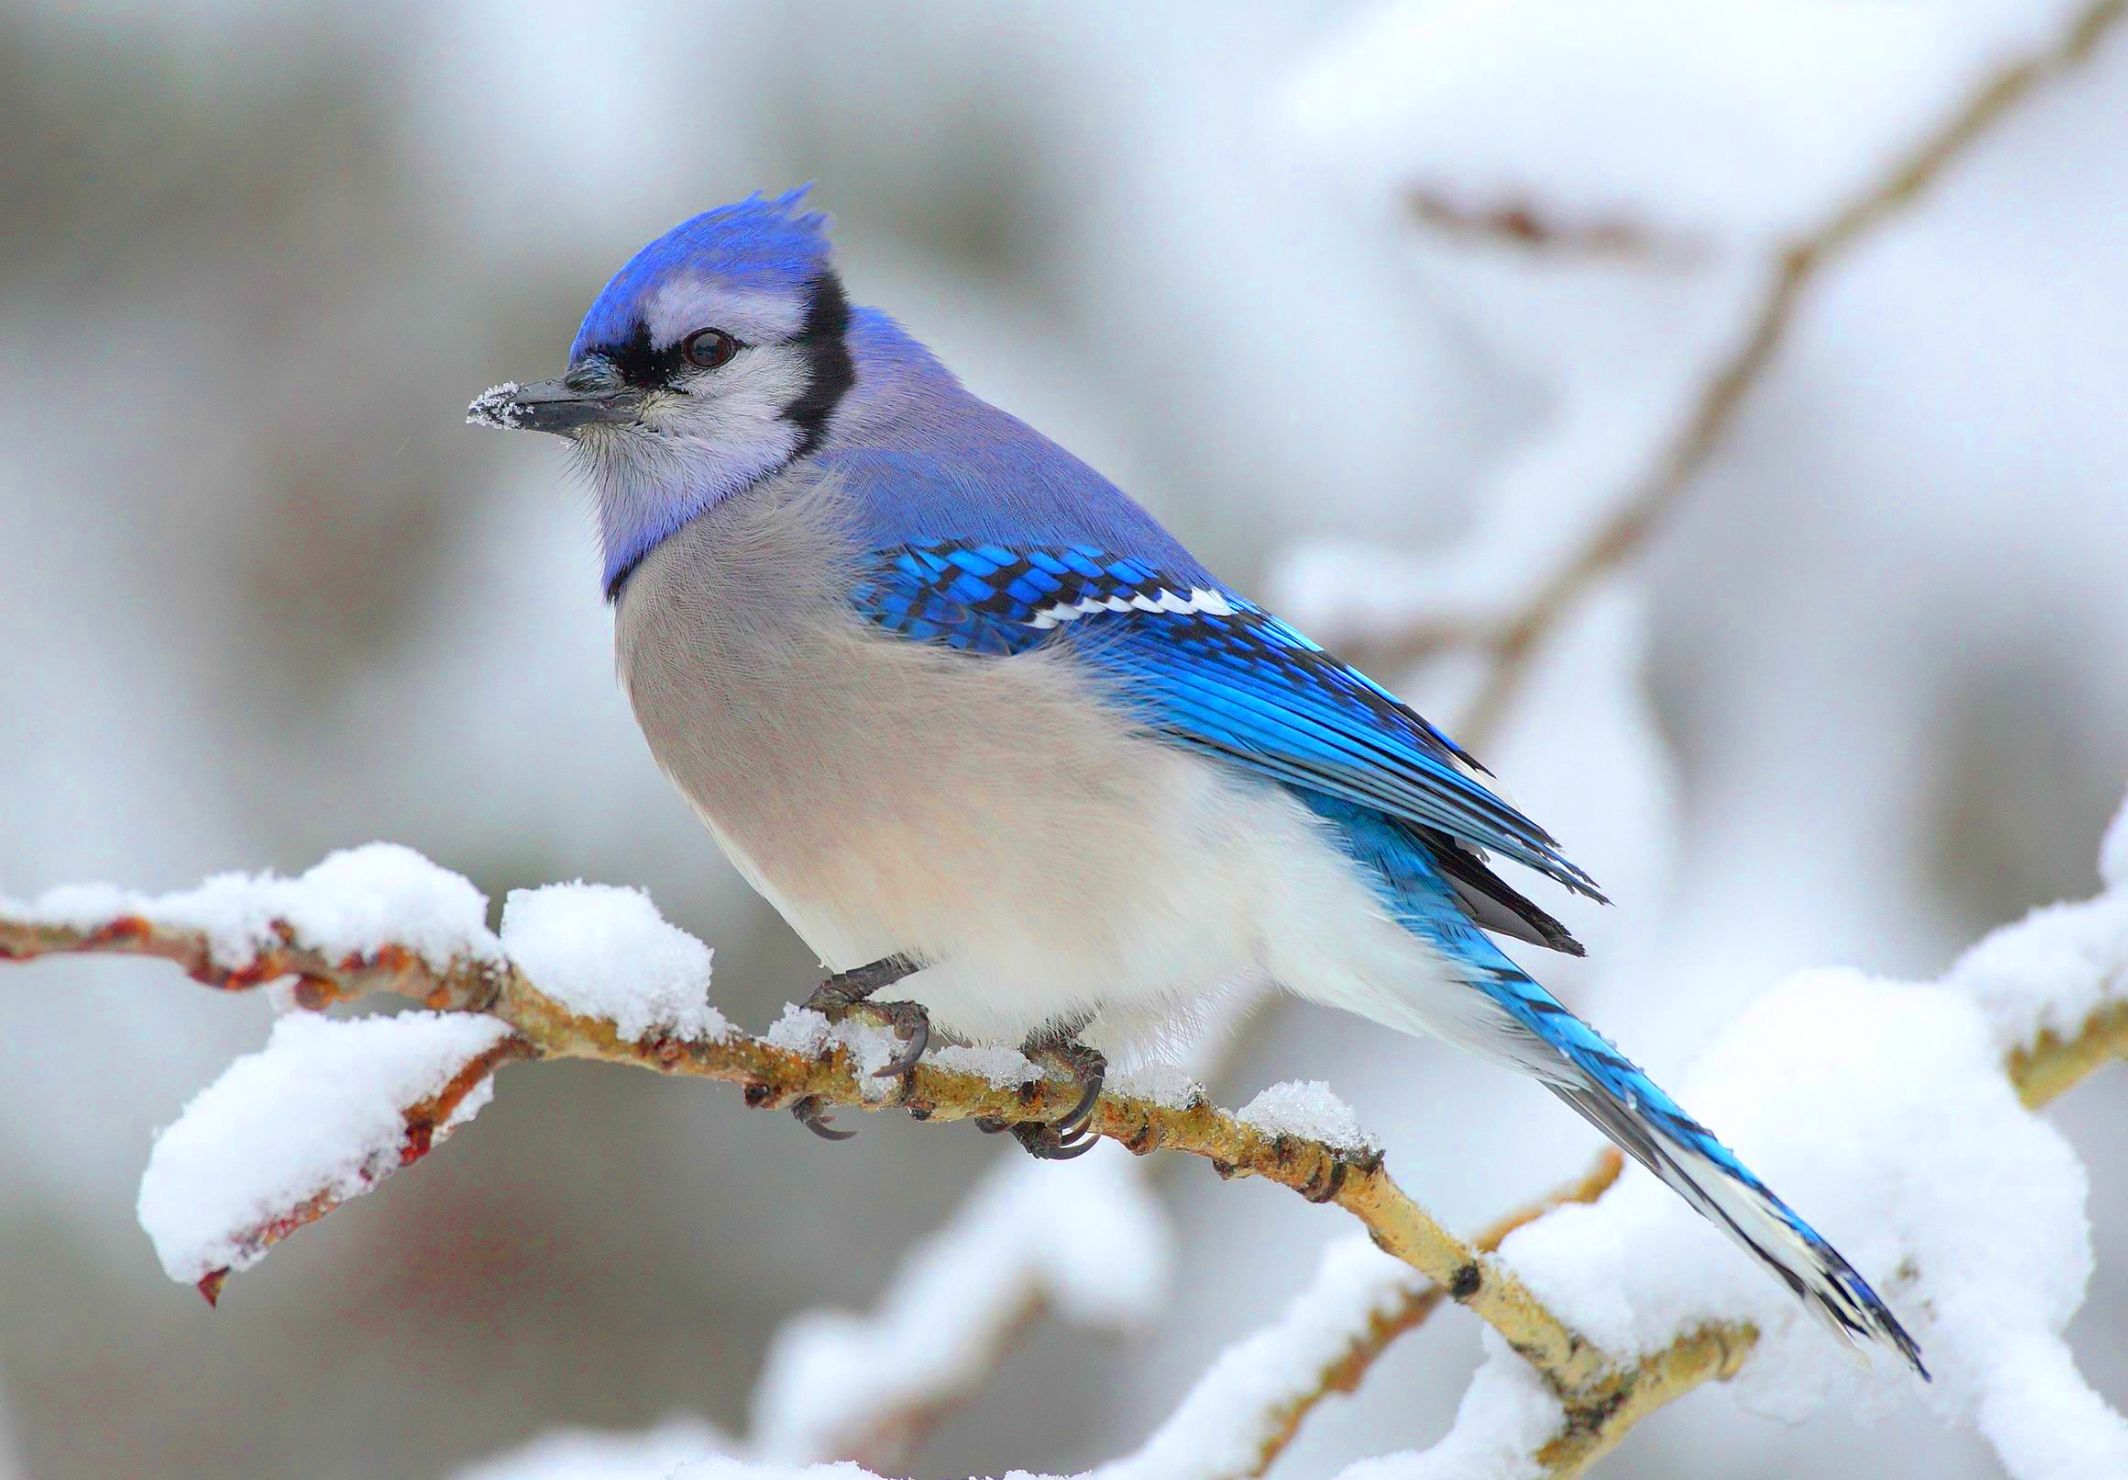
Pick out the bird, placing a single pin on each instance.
(1008, 757)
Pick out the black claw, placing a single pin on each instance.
(1044, 1144)
(848, 991)
(1083, 1112)
(808, 1114)
(913, 1024)
(1087, 1067)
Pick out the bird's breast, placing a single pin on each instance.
(890, 795)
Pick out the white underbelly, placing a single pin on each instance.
(1085, 869)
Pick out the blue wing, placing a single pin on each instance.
(1211, 671)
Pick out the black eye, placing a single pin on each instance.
(709, 348)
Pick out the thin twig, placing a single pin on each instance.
(1344, 1373)
(427, 1121)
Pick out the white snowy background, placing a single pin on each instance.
(1866, 698)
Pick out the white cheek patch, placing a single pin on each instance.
(679, 308)
(738, 402)
(725, 427)
(1210, 603)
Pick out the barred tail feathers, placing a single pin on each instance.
(1584, 1070)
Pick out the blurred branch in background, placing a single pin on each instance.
(1530, 583)
(883, 1411)
(1085, 1239)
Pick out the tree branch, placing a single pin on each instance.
(772, 1076)
(1349, 1368)
(1600, 1400)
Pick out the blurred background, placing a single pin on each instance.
(1863, 696)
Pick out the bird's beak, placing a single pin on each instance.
(549, 406)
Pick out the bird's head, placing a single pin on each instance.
(714, 358)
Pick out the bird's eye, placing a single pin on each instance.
(709, 348)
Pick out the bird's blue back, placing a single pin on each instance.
(921, 459)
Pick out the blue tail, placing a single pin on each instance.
(1626, 1105)
(1499, 1012)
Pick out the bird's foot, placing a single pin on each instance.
(1083, 1066)
(1047, 1143)
(1069, 1135)
(912, 1025)
(849, 992)
(845, 989)
(810, 1112)
(1043, 1142)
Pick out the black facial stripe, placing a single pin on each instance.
(829, 370)
(640, 365)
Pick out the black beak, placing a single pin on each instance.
(549, 406)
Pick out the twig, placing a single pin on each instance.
(425, 1121)
(463, 984)
(2050, 1064)
(1595, 1424)
(1343, 1375)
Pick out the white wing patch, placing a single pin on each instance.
(1199, 600)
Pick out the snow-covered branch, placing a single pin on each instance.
(1605, 1334)
(1924, 1105)
(2037, 1006)
(585, 972)
(1249, 1406)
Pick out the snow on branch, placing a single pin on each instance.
(1909, 1133)
(1250, 1404)
(325, 1112)
(1986, 1203)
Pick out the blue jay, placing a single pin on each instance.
(985, 732)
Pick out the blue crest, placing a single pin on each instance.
(756, 242)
